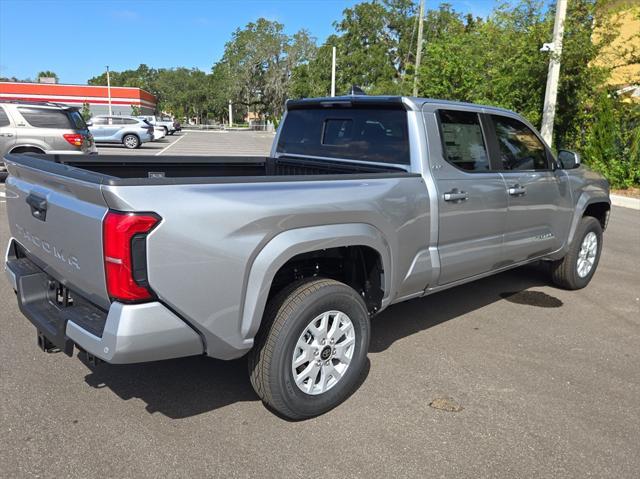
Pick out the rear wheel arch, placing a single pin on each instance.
(312, 244)
(27, 149)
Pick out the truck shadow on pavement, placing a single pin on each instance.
(186, 387)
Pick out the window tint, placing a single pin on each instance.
(117, 121)
(463, 141)
(4, 119)
(129, 121)
(77, 120)
(520, 148)
(46, 118)
(353, 133)
(99, 120)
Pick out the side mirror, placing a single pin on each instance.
(569, 159)
(89, 123)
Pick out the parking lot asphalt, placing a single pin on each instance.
(200, 143)
(527, 381)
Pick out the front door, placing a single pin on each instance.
(472, 199)
(539, 197)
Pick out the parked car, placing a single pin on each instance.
(165, 123)
(127, 130)
(364, 202)
(158, 133)
(37, 127)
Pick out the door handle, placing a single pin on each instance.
(517, 190)
(455, 195)
(38, 206)
(6, 134)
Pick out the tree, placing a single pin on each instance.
(257, 66)
(86, 111)
(135, 110)
(47, 74)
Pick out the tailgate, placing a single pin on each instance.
(58, 221)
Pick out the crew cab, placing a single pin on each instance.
(363, 202)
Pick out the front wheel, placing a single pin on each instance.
(576, 269)
(131, 141)
(311, 350)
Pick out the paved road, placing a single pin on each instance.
(201, 143)
(548, 382)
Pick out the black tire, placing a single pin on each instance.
(287, 315)
(172, 132)
(564, 272)
(166, 130)
(131, 141)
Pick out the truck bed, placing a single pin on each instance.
(121, 170)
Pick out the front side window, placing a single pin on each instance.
(462, 140)
(100, 120)
(520, 148)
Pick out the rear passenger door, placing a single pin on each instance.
(472, 199)
(539, 197)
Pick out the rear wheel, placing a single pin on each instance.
(166, 130)
(131, 141)
(576, 269)
(311, 350)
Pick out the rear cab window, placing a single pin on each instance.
(365, 134)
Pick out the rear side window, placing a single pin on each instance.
(129, 121)
(77, 120)
(462, 140)
(46, 118)
(100, 121)
(4, 119)
(520, 148)
(350, 133)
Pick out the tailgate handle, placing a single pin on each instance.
(38, 206)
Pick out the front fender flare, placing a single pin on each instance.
(586, 198)
(290, 243)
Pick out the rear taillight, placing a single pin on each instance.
(74, 139)
(125, 254)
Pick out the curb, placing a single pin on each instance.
(625, 201)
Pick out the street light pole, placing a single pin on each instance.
(333, 73)
(419, 48)
(109, 91)
(553, 76)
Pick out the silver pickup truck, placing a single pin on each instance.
(363, 202)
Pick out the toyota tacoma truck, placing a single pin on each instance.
(363, 202)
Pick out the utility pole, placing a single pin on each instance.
(230, 114)
(419, 48)
(333, 73)
(109, 91)
(551, 92)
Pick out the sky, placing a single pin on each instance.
(77, 39)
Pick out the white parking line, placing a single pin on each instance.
(169, 146)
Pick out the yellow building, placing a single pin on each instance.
(623, 54)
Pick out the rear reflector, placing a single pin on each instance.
(124, 240)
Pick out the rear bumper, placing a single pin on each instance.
(126, 333)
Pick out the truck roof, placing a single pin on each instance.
(383, 101)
